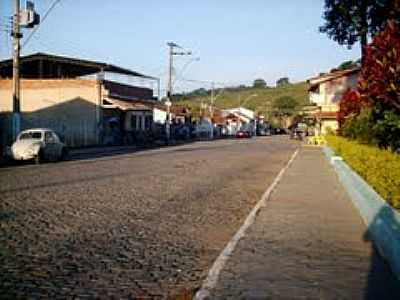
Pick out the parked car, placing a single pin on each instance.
(243, 134)
(38, 144)
(263, 130)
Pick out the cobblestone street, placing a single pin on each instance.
(139, 225)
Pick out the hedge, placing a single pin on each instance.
(380, 168)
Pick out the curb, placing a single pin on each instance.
(382, 220)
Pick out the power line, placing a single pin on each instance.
(43, 19)
(205, 81)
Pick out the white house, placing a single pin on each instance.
(239, 118)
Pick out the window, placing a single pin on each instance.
(37, 135)
(148, 122)
(133, 122)
(140, 118)
(48, 137)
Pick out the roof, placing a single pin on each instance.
(323, 114)
(37, 129)
(42, 65)
(180, 110)
(332, 76)
(140, 105)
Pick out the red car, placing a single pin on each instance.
(242, 134)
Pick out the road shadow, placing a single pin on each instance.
(115, 151)
(382, 283)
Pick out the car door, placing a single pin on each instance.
(58, 146)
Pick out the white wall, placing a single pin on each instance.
(159, 116)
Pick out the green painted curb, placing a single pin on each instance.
(382, 220)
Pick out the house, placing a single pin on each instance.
(239, 118)
(325, 93)
(180, 114)
(86, 102)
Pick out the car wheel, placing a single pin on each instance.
(39, 157)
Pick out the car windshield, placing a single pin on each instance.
(37, 135)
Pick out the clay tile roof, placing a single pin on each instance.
(331, 76)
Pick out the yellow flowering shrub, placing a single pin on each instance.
(380, 168)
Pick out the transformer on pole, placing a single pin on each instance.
(26, 18)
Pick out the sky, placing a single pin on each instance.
(236, 41)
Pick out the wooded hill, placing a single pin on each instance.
(258, 99)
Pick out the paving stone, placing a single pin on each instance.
(103, 228)
(307, 243)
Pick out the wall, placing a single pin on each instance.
(69, 107)
(330, 93)
(140, 119)
(327, 125)
(334, 89)
(159, 116)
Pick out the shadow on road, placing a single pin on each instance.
(382, 283)
(113, 151)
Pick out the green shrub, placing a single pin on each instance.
(360, 127)
(380, 168)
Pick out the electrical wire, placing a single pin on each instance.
(49, 10)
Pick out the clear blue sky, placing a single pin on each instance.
(237, 41)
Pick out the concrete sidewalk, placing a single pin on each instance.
(307, 243)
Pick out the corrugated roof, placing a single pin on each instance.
(67, 67)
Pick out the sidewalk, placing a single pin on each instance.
(307, 243)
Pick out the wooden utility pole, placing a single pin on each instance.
(16, 35)
(172, 53)
(212, 110)
(169, 90)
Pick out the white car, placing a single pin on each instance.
(38, 144)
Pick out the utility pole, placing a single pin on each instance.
(212, 110)
(168, 103)
(16, 36)
(27, 18)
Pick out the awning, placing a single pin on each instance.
(127, 105)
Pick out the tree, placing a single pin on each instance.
(380, 75)
(282, 81)
(372, 113)
(379, 84)
(351, 21)
(284, 106)
(259, 83)
(348, 64)
(350, 105)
